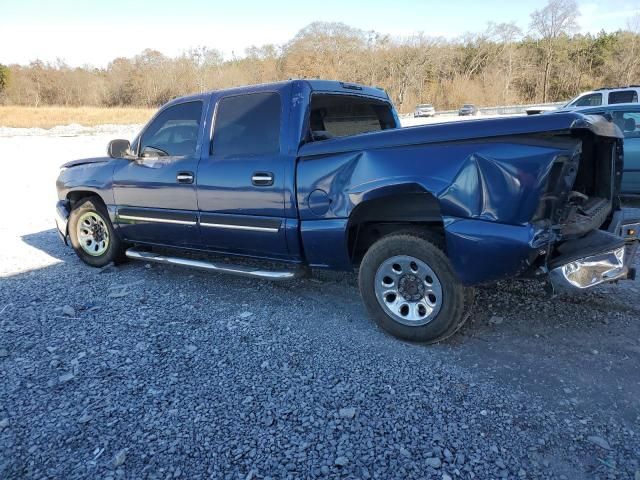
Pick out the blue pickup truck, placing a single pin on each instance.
(311, 174)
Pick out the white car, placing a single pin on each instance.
(594, 98)
(424, 110)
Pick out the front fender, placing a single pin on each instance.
(83, 180)
(95, 178)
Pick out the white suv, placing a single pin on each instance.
(593, 98)
(604, 96)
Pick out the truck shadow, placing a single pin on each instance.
(48, 242)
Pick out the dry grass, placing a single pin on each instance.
(47, 117)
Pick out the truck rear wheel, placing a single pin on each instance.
(92, 234)
(410, 290)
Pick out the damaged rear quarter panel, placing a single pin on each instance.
(488, 190)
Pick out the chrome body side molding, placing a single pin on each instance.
(136, 218)
(239, 227)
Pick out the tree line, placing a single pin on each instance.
(500, 65)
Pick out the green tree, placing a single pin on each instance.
(4, 77)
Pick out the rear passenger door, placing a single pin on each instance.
(242, 183)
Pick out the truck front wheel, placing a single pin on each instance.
(410, 290)
(92, 234)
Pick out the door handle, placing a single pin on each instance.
(184, 177)
(262, 179)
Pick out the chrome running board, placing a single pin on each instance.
(240, 270)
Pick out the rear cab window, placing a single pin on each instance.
(247, 125)
(341, 115)
(623, 96)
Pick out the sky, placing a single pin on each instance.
(93, 32)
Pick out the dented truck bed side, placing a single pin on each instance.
(500, 186)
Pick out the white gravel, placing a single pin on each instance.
(134, 372)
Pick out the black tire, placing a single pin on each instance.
(115, 248)
(456, 298)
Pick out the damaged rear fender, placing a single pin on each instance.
(482, 251)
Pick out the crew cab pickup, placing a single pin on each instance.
(311, 174)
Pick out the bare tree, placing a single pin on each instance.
(630, 61)
(324, 48)
(558, 18)
(507, 34)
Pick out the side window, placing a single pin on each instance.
(247, 125)
(628, 122)
(174, 132)
(623, 96)
(591, 100)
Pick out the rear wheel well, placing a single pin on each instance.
(374, 219)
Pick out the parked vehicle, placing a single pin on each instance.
(468, 109)
(424, 110)
(318, 174)
(627, 117)
(604, 96)
(593, 98)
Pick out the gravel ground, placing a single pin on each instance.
(144, 371)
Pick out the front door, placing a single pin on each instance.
(242, 184)
(155, 194)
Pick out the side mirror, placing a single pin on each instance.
(119, 148)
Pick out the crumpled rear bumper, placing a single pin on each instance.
(600, 257)
(62, 219)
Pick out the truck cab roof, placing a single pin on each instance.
(316, 85)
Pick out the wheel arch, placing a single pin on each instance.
(391, 209)
(75, 196)
(114, 248)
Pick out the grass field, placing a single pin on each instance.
(47, 117)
